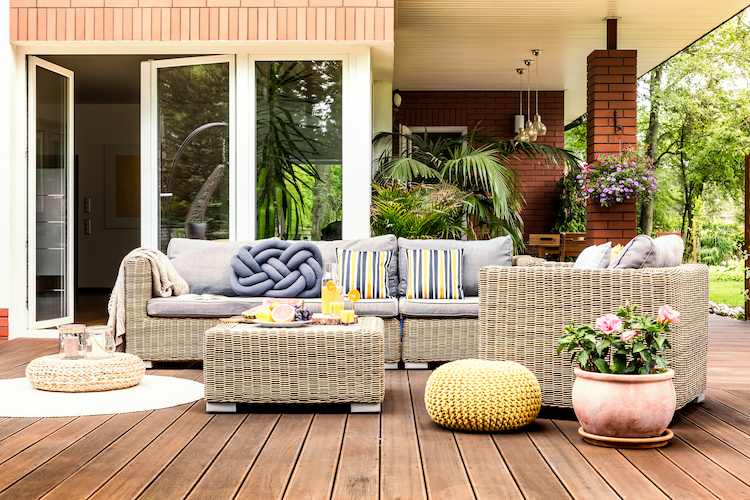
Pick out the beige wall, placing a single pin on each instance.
(175, 20)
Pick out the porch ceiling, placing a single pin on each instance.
(478, 44)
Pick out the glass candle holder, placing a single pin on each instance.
(347, 312)
(100, 342)
(72, 340)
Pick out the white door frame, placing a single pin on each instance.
(69, 265)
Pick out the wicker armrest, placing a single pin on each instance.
(523, 311)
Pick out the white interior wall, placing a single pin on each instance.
(100, 253)
(6, 74)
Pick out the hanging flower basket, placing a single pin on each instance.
(615, 177)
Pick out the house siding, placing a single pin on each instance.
(188, 20)
(495, 110)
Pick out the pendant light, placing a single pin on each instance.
(518, 120)
(529, 129)
(539, 127)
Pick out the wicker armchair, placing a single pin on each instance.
(524, 309)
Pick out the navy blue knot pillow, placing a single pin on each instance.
(277, 268)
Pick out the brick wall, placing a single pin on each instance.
(611, 87)
(174, 20)
(496, 110)
(3, 323)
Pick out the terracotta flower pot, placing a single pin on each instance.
(625, 406)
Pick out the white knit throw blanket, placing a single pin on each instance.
(166, 282)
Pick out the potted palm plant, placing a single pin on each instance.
(623, 393)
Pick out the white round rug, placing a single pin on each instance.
(20, 399)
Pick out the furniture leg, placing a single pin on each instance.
(221, 407)
(365, 407)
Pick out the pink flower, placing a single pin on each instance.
(609, 323)
(668, 315)
(628, 334)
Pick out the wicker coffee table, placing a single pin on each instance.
(52, 373)
(310, 364)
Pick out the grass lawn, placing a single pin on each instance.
(726, 292)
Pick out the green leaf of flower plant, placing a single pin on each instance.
(638, 347)
(645, 356)
(602, 365)
(601, 345)
(583, 359)
(619, 363)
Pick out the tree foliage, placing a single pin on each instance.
(703, 111)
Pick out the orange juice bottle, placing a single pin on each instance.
(329, 275)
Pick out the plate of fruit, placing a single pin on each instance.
(280, 313)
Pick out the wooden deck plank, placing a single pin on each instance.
(358, 475)
(43, 450)
(16, 368)
(489, 476)
(400, 463)
(132, 479)
(724, 423)
(226, 474)
(180, 476)
(445, 474)
(30, 435)
(710, 475)
(577, 475)
(531, 472)
(730, 401)
(72, 458)
(665, 475)
(270, 474)
(316, 468)
(92, 476)
(10, 426)
(22, 349)
(620, 474)
(733, 461)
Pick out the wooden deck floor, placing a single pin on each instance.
(307, 453)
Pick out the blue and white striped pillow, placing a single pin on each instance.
(366, 272)
(435, 274)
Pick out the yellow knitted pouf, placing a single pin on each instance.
(476, 395)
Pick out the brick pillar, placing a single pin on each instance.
(611, 88)
(3, 323)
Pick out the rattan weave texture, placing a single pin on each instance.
(310, 364)
(523, 311)
(479, 395)
(52, 373)
(181, 339)
(438, 339)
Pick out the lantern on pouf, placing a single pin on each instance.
(100, 342)
(72, 340)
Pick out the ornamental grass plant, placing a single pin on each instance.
(615, 177)
(625, 343)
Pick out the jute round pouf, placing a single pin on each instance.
(52, 373)
(476, 395)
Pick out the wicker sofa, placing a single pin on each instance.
(416, 330)
(523, 310)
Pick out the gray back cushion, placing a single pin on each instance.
(204, 265)
(477, 254)
(643, 252)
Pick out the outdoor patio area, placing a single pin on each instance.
(323, 452)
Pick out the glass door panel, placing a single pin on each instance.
(51, 189)
(193, 117)
(298, 149)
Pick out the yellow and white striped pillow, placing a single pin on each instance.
(435, 274)
(366, 272)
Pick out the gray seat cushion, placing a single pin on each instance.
(443, 308)
(179, 307)
(176, 307)
(477, 254)
(384, 308)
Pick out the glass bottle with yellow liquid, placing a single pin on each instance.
(330, 275)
